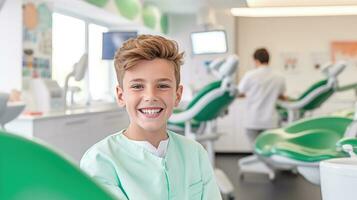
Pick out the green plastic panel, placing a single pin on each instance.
(213, 110)
(216, 107)
(306, 140)
(204, 91)
(31, 171)
(164, 23)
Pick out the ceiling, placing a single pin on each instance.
(193, 6)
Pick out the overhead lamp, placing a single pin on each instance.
(295, 11)
(299, 3)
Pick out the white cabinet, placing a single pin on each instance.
(232, 127)
(72, 134)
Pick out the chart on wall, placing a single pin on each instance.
(37, 39)
(344, 50)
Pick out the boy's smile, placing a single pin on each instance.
(149, 93)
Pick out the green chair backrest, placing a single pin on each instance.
(320, 99)
(31, 171)
(315, 103)
(215, 107)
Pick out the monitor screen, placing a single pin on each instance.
(209, 42)
(112, 41)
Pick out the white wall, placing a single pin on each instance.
(304, 37)
(193, 73)
(10, 45)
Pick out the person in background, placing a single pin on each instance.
(146, 161)
(262, 88)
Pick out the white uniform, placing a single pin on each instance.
(262, 88)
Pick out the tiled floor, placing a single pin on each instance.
(286, 186)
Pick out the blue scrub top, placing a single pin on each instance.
(130, 172)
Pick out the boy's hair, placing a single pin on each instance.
(262, 55)
(147, 47)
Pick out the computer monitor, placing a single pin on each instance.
(114, 40)
(209, 42)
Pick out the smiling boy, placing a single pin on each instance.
(146, 161)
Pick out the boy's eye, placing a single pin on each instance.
(137, 86)
(164, 86)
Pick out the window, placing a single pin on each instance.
(69, 44)
(99, 84)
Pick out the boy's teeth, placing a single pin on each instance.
(150, 111)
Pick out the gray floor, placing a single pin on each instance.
(286, 186)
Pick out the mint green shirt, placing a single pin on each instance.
(130, 172)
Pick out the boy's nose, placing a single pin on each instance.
(150, 94)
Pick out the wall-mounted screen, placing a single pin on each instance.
(209, 42)
(113, 40)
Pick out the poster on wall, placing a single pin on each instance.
(344, 50)
(290, 61)
(37, 39)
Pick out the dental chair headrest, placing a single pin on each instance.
(229, 67)
(224, 67)
(215, 64)
(333, 70)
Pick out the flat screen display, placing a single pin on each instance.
(209, 42)
(114, 40)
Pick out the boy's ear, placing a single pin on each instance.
(178, 95)
(120, 96)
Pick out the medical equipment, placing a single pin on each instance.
(78, 72)
(202, 42)
(9, 111)
(294, 110)
(314, 97)
(197, 121)
(304, 144)
(44, 173)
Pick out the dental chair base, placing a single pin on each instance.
(252, 164)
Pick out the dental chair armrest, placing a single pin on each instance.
(192, 112)
(182, 116)
(298, 104)
(347, 141)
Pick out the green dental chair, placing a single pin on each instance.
(32, 171)
(197, 121)
(313, 97)
(302, 145)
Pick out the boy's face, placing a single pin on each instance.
(149, 94)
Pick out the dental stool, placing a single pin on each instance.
(30, 170)
(9, 111)
(197, 121)
(313, 97)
